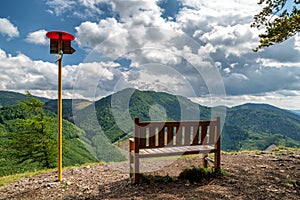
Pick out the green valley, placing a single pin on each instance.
(91, 128)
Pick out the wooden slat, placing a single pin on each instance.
(161, 137)
(137, 133)
(178, 136)
(177, 124)
(148, 151)
(151, 137)
(159, 150)
(203, 134)
(182, 150)
(160, 141)
(196, 135)
(142, 137)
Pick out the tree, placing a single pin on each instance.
(33, 139)
(280, 21)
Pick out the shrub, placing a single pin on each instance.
(198, 174)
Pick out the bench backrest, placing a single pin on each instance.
(180, 133)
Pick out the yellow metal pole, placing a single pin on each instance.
(59, 112)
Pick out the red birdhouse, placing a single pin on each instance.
(60, 40)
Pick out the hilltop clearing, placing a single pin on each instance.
(249, 175)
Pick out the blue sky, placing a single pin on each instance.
(30, 16)
(198, 49)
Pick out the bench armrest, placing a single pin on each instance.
(131, 144)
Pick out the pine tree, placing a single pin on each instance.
(34, 138)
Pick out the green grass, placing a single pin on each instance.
(16, 177)
(278, 148)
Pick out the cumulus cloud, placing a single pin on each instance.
(256, 80)
(27, 74)
(215, 35)
(205, 46)
(90, 34)
(237, 39)
(95, 8)
(282, 98)
(7, 28)
(40, 78)
(37, 37)
(142, 10)
(60, 6)
(78, 8)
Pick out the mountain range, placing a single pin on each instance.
(248, 126)
(97, 125)
(297, 112)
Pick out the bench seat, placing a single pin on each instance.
(173, 151)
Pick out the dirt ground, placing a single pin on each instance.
(249, 175)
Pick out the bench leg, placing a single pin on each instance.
(136, 169)
(131, 163)
(204, 161)
(217, 161)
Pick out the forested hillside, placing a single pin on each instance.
(28, 139)
(146, 105)
(250, 126)
(8, 98)
(264, 125)
(97, 125)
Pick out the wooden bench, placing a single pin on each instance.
(158, 139)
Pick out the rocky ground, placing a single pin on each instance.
(249, 175)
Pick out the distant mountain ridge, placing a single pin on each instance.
(247, 126)
(297, 112)
(8, 98)
(263, 125)
(268, 107)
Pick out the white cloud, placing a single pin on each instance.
(27, 74)
(237, 39)
(282, 99)
(159, 77)
(135, 37)
(60, 6)
(7, 28)
(273, 63)
(218, 7)
(136, 8)
(78, 8)
(91, 34)
(205, 38)
(37, 37)
(40, 78)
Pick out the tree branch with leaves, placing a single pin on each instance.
(279, 21)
